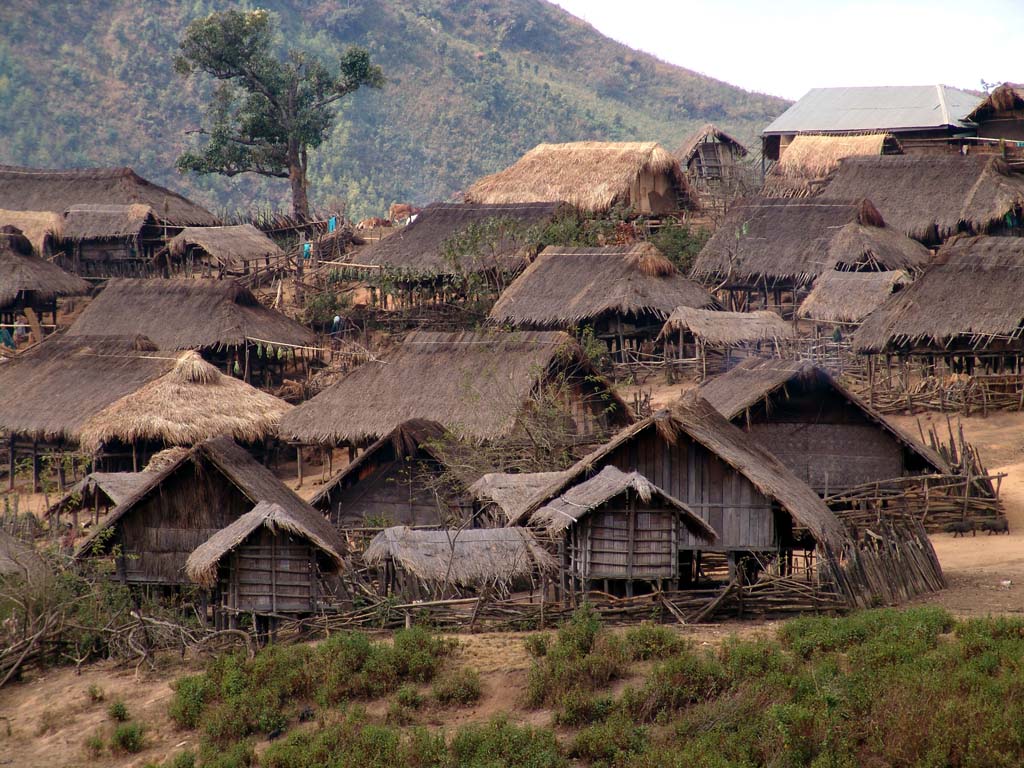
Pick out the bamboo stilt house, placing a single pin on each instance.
(709, 342)
(478, 385)
(271, 560)
(843, 299)
(768, 252)
(932, 198)
(593, 176)
(231, 251)
(621, 530)
(153, 531)
(220, 319)
(29, 282)
(623, 292)
(709, 156)
(105, 240)
(417, 564)
(809, 159)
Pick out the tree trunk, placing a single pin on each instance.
(297, 179)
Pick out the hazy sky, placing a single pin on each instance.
(790, 46)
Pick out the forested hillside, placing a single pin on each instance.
(471, 86)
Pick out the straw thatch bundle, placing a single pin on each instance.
(230, 247)
(724, 329)
(473, 383)
(1008, 97)
(42, 228)
(304, 523)
(808, 159)
(707, 132)
(700, 422)
(52, 389)
(98, 221)
(422, 247)
(564, 511)
(190, 403)
(590, 175)
(511, 493)
(568, 286)
(465, 557)
(21, 272)
(793, 240)
(971, 291)
(930, 197)
(849, 297)
(20, 560)
(39, 189)
(187, 314)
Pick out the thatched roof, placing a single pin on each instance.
(474, 383)
(190, 403)
(39, 189)
(753, 381)
(421, 248)
(231, 247)
(707, 132)
(116, 486)
(930, 197)
(40, 227)
(723, 329)
(809, 158)
(972, 290)
(52, 389)
(567, 286)
(796, 239)
(511, 493)
(565, 511)
(19, 559)
(221, 454)
(187, 314)
(467, 557)
(304, 523)
(849, 297)
(1008, 97)
(99, 221)
(704, 425)
(591, 175)
(21, 271)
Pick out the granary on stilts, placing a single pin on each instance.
(768, 252)
(703, 342)
(105, 240)
(220, 319)
(438, 564)
(622, 292)
(594, 177)
(270, 562)
(710, 158)
(239, 251)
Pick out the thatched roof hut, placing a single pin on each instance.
(932, 197)
(791, 241)
(728, 329)
(509, 493)
(299, 522)
(26, 278)
(707, 133)
(593, 176)
(566, 287)
(188, 314)
(422, 248)
(190, 403)
(233, 249)
(848, 297)
(103, 221)
(42, 228)
(471, 557)
(54, 388)
(19, 560)
(808, 159)
(38, 189)
(968, 298)
(1003, 99)
(474, 383)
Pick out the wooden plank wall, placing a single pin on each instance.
(270, 573)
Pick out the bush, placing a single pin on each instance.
(537, 645)
(409, 696)
(460, 686)
(653, 641)
(581, 708)
(49, 720)
(118, 712)
(500, 744)
(240, 755)
(94, 745)
(685, 679)
(129, 738)
(610, 741)
(190, 697)
(95, 694)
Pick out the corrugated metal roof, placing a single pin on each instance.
(888, 108)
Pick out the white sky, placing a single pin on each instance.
(787, 47)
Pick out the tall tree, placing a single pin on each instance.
(270, 108)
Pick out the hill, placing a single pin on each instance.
(471, 87)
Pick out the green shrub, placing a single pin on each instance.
(190, 697)
(578, 707)
(240, 755)
(95, 694)
(118, 712)
(537, 645)
(609, 742)
(653, 641)
(128, 738)
(459, 686)
(186, 759)
(409, 696)
(94, 745)
(500, 744)
(684, 679)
